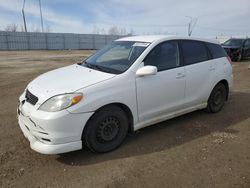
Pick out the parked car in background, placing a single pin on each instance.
(237, 49)
(130, 84)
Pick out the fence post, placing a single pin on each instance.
(93, 44)
(46, 41)
(64, 42)
(106, 40)
(7, 41)
(28, 40)
(79, 42)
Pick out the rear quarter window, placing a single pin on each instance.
(194, 52)
(216, 50)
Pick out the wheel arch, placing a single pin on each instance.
(225, 83)
(124, 107)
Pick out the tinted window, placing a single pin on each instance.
(234, 42)
(216, 50)
(247, 44)
(193, 52)
(164, 56)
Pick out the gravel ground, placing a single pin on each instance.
(194, 150)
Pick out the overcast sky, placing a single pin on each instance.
(215, 17)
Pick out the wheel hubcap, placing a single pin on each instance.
(108, 129)
(218, 98)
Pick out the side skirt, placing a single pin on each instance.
(155, 120)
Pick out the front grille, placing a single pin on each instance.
(30, 98)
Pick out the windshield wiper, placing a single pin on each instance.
(101, 68)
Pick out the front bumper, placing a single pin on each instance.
(232, 53)
(52, 133)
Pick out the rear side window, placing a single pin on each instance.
(247, 44)
(193, 52)
(216, 50)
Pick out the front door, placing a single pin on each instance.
(164, 92)
(246, 49)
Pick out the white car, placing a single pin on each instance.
(130, 84)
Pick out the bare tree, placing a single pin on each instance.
(123, 31)
(35, 28)
(132, 32)
(11, 28)
(22, 28)
(103, 32)
(113, 30)
(96, 30)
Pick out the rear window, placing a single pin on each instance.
(193, 52)
(216, 50)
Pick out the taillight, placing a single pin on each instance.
(229, 59)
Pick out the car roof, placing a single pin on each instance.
(238, 38)
(156, 38)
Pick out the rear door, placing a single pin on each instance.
(246, 49)
(200, 71)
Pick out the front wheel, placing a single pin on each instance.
(217, 98)
(239, 58)
(106, 129)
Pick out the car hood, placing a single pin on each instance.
(231, 47)
(65, 80)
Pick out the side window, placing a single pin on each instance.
(193, 52)
(164, 56)
(247, 44)
(216, 50)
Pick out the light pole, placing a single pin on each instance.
(24, 20)
(191, 24)
(41, 15)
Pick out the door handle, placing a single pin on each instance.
(180, 75)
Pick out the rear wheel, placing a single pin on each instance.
(106, 129)
(217, 98)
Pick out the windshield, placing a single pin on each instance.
(233, 42)
(117, 57)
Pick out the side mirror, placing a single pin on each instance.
(146, 71)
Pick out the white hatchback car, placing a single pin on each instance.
(130, 84)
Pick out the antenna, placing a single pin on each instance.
(24, 20)
(41, 15)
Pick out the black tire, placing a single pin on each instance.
(106, 129)
(217, 98)
(239, 58)
(234, 58)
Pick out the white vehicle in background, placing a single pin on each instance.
(130, 84)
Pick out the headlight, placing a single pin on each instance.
(61, 102)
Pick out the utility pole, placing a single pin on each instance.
(24, 20)
(191, 24)
(41, 15)
(189, 28)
